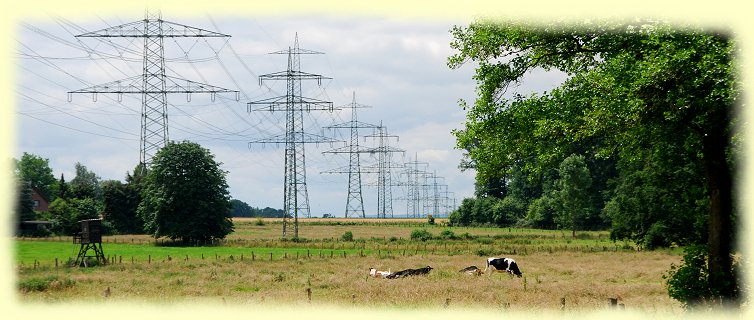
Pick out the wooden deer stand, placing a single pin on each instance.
(90, 238)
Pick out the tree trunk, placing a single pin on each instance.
(719, 188)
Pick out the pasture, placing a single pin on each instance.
(255, 267)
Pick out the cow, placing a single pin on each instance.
(472, 270)
(503, 265)
(410, 272)
(379, 274)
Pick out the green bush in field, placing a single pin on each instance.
(420, 234)
(347, 236)
(447, 234)
(259, 222)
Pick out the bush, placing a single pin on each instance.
(259, 222)
(430, 219)
(687, 283)
(347, 236)
(448, 234)
(420, 234)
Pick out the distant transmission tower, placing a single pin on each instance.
(384, 163)
(295, 195)
(355, 200)
(413, 196)
(153, 84)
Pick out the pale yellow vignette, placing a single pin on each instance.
(731, 14)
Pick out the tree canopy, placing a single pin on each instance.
(36, 170)
(634, 90)
(185, 196)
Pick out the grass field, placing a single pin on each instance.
(585, 271)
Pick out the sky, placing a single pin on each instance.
(394, 65)
(391, 58)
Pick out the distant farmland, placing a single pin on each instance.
(254, 266)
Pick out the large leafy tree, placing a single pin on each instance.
(629, 86)
(185, 195)
(36, 170)
(86, 184)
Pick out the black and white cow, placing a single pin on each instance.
(503, 265)
(409, 272)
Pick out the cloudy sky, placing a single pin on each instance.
(393, 60)
(395, 65)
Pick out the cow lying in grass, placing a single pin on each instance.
(379, 274)
(410, 272)
(472, 270)
(503, 265)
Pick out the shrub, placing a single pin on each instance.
(448, 234)
(259, 222)
(430, 219)
(484, 252)
(420, 234)
(687, 283)
(347, 236)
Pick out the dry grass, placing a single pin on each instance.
(585, 280)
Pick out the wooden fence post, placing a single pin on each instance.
(309, 294)
(612, 302)
(56, 263)
(562, 303)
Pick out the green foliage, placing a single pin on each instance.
(448, 234)
(66, 214)
(36, 171)
(185, 195)
(645, 208)
(45, 283)
(120, 203)
(420, 234)
(571, 195)
(259, 222)
(541, 213)
(242, 209)
(25, 205)
(688, 283)
(631, 89)
(430, 219)
(347, 236)
(86, 184)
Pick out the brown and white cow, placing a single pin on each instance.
(503, 265)
(472, 270)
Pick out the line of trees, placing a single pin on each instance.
(183, 178)
(242, 209)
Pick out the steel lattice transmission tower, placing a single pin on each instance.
(413, 196)
(295, 197)
(384, 163)
(355, 200)
(153, 84)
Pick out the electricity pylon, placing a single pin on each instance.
(153, 84)
(413, 196)
(295, 195)
(355, 200)
(384, 163)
